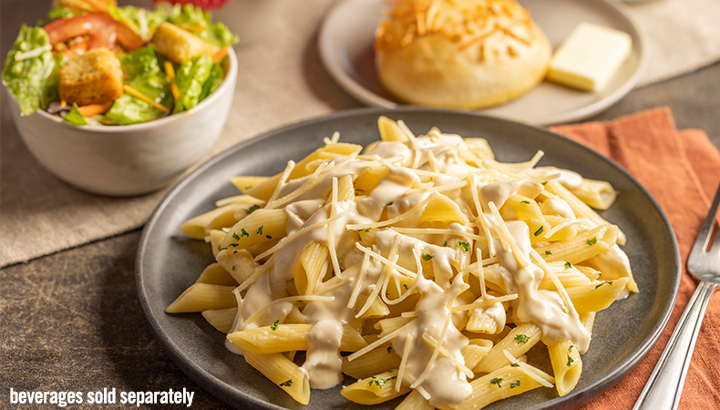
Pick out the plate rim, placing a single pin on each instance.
(225, 392)
(364, 95)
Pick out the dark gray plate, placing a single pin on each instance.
(168, 262)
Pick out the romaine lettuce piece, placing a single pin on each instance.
(62, 13)
(200, 23)
(140, 62)
(75, 117)
(213, 81)
(130, 110)
(142, 22)
(190, 78)
(26, 67)
(50, 91)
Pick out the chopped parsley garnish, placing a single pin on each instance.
(235, 236)
(525, 202)
(248, 187)
(497, 381)
(233, 267)
(570, 348)
(426, 256)
(364, 230)
(219, 248)
(405, 286)
(389, 349)
(252, 209)
(464, 245)
(592, 241)
(244, 233)
(539, 231)
(548, 252)
(287, 383)
(275, 325)
(234, 245)
(514, 365)
(268, 236)
(521, 338)
(570, 361)
(388, 204)
(380, 382)
(568, 265)
(515, 384)
(609, 283)
(543, 183)
(323, 146)
(445, 244)
(259, 230)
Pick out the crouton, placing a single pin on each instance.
(178, 44)
(91, 78)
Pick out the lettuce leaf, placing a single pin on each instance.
(200, 23)
(213, 81)
(131, 17)
(140, 62)
(190, 78)
(26, 78)
(51, 91)
(62, 13)
(75, 117)
(130, 110)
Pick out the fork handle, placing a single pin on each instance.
(664, 388)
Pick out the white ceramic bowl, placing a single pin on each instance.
(129, 159)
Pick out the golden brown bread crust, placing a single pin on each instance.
(91, 78)
(460, 54)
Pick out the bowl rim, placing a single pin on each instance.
(115, 129)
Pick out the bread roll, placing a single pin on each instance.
(460, 53)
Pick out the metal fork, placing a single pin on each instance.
(664, 388)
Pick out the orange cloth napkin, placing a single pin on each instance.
(681, 169)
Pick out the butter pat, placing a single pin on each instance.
(589, 58)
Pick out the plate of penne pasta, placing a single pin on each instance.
(408, 259)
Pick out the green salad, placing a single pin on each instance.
(96, 63)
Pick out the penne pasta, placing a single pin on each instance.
(221, 319)
(517, 343)
(285, 338)
(381, 359)
(500, 384)
(215, 274)
(566, 364)
(432, 266)
(203, 296)
(374, 389)
(283, 372)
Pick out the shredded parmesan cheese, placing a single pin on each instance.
(531, 372)
(390, 336)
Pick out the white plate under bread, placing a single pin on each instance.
(346, 49)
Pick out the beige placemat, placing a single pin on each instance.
(281, 81)
(681, 36)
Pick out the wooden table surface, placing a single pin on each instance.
(72, 321)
